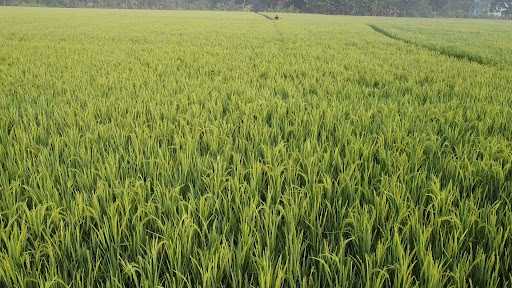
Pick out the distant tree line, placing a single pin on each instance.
(406, 8)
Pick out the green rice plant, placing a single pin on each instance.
(220, 149)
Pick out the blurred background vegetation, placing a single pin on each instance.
(405, 8)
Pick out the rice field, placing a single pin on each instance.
(221, 149)
(482, 41)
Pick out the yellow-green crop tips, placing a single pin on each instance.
(221, 149)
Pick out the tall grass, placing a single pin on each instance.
(212, 149)
(486, 42)
(439, 47)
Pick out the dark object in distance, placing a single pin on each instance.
(276, 17)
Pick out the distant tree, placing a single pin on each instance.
(425, 8)
(438, 5)
(502, 6)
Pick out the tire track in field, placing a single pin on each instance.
(266, 16)
(274, 24)
(457, 54)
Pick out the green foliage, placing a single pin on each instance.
(215, 149)
(455, 38)
(409, 8)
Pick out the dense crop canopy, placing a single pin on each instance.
(221, 149)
